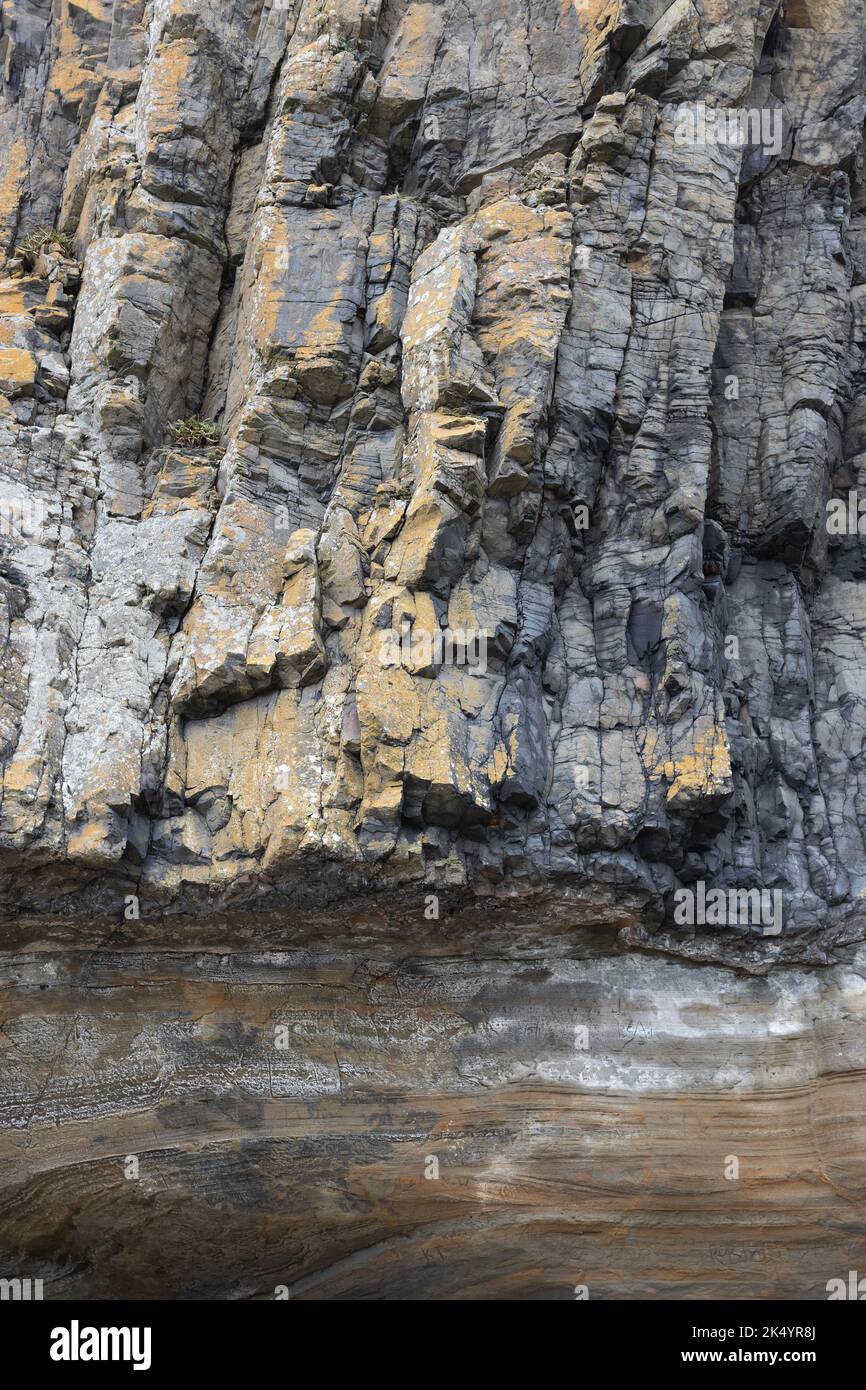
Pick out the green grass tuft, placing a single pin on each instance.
(44, 239)
(195, 433)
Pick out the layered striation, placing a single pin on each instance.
(446, 1127)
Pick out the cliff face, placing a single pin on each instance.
(430, 443)
(494, 348)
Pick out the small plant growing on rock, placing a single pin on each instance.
(44, 239)
(195, 433)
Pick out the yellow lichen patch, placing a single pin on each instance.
(91, 843)
(406, 71)
(704, 773)
(15, 161)
(72, 80)
(23, 775)
(433, 300)
(17, 372)
(388, 705)
(82, 17)
(497, 765)
(16, 296)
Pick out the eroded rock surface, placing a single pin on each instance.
(490, 348)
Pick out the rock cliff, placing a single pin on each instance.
(433, 616)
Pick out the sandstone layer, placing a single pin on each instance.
(459, 1126)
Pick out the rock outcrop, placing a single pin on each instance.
(431, 449)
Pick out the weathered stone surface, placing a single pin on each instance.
(502, 576)
(472, 335)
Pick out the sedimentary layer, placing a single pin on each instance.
(327, 1125)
